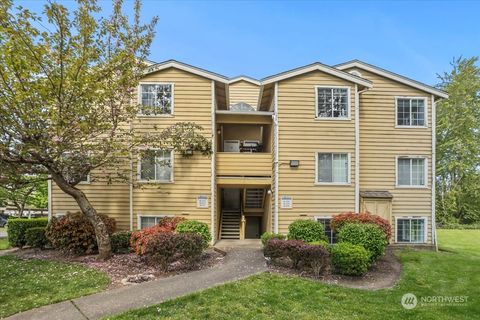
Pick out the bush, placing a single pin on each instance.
(458, 226)
(74, 233)
(293, 251)
(121, 241)
(350, 259)
(165, 248)
(18, 226)
(370, 236)
(339, 220)
(323, 244)
(139, 238)
(274, 249)
(315, 256)
(306, 230)
(196, 227)
(270, 235)
(35, 237)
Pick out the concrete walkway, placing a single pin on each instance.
(239, 263)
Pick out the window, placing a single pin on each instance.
(331, 236)
(287, 202)
(332, 168)
(411, 112)
(149, 221)
(156, 165)
(332, 102)
(411, 171)
(156, 99)
(202, 202)
(411, 230)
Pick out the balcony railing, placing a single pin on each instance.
(244, 164)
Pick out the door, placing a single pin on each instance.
(252, 227)
(232, 199)
(379, 207)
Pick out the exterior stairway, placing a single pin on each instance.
(254, 198)
(230, 224)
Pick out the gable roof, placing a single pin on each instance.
(393, 76)
(320, 67)
(185, 67)
(244, 78)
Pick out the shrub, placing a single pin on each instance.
(139, 238)
(121, 241)
(190, 247)
(370, 236)
(293, 251)
(339, 220)
(270, 235)
(18, 226)
(196, 227)
(170, 223)
(350, 259)
(459, 226)
(165, 248)
(274, 249)
(35, 237)
(75, 233)
(306, 230)
(323, 244)
(315, 256)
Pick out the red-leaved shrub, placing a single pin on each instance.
(140, 238)
(350, 217)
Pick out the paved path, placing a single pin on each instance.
(239, 263)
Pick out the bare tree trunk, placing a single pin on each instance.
(101, 232)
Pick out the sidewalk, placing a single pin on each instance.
(239, 263)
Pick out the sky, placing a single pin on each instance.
(417, 39)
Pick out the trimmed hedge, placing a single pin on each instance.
(350, 259)
(270, 235)
(35, 237)
(368, 235)
(166, 248)
(120, 242)
(18, 226)
(314, 256)
(75, 233)
(349, 217)
(459, 226)
(306, 230)
(197, 227)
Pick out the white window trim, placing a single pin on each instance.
(139, 100)
(347, 118)
(88, 181)
(172, 165)
(425, 186)
(425, 228)
(349, 181)
(325, 217)
(425, 126)
(142, 215)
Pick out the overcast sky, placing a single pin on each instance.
(415, 39)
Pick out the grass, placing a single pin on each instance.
(27, 284)
(272, 296)
(4, 244)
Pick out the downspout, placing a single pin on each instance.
(213, 198)
(357, 147)
(49, 186)
(434, 156)
(275, 160)
(130, 192)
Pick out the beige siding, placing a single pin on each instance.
(244, 91)
(381, 143)
(192, 176)
(300, 137)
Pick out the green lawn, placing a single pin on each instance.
(26, 284)
(4, 244)
(272, 296)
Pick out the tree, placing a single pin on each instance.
(27, 190)
(66, 92)
(458, 144)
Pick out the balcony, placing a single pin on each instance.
(244, 164)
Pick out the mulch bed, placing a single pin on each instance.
(384, 273)
(123, 267)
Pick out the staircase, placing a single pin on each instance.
(230, 224)
(254, 198)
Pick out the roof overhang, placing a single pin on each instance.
(185, 67)
(317, 67)
(244, 78)
(396, 77)
(245, 113)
